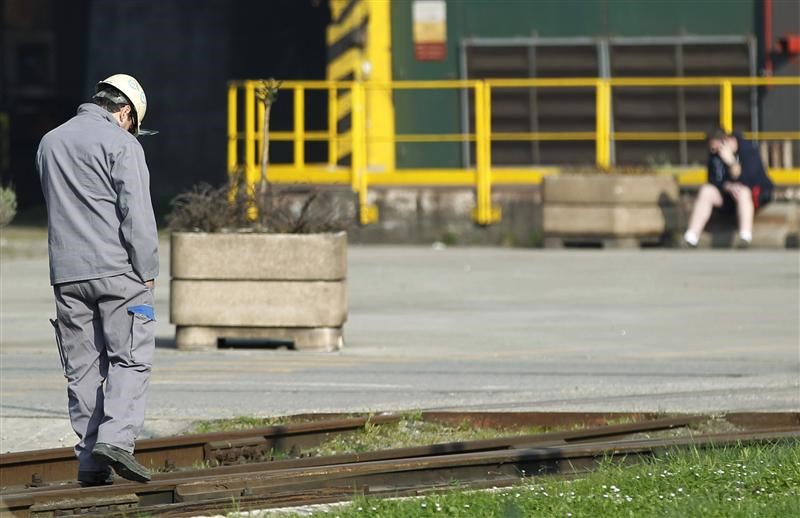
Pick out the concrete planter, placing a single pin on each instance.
(271, 286)
(614, 210)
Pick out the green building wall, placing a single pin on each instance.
(439, 111)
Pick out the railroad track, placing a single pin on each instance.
(44, 467)
(258, 485)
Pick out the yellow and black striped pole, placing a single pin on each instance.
(359, 50)
(359, 53)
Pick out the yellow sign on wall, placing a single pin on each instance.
(430, 29)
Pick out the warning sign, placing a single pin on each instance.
(430, 29)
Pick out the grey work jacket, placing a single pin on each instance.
(97, 189)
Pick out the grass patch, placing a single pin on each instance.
(410, 430)
(762, 481)
(236, 424)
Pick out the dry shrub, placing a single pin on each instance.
(284, 210)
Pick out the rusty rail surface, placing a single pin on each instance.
(249, 454)
(254, 488)
(44, 467)
(41, 467)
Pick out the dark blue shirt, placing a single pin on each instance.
(752, 174)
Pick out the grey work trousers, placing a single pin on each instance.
(105, 332)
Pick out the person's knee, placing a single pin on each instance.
(745, 198)
(708, 193)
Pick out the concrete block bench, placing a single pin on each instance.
(609, 210)
(775, 226)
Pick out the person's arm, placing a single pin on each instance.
(728, 157)
(716, 172)
(137, 221)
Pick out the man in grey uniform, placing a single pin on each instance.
(103, 247)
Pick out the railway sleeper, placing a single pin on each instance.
(248, 449)
(83, 506)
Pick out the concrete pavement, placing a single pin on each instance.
(458, 328)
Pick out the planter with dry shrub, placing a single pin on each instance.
(271, 265)
(255, 261)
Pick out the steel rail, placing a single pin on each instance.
(255, 446)
(480, 466)
(392, 475)
(544, 439)
(42, 467)
(45, 466)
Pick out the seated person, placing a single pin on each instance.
(736, 181)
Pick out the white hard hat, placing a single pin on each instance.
(131, 88)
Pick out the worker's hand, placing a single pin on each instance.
(151, 284)
(726, 154)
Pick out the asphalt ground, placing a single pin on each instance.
(455, 328)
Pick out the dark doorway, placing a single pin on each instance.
(182, 52)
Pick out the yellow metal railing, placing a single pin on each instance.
(364, 170)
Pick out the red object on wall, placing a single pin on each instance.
(430, 51)
(790, 44)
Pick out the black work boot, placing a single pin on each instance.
(95, 478)
(123, 462)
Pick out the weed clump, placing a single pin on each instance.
(8, 205)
